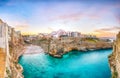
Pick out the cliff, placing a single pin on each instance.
(1, 21)
(59, 46)
(11, 45)
(114, 58)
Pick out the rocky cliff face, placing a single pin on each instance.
(114, 58)
(60, 47)
(11, 45)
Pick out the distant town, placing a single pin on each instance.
(64, 34)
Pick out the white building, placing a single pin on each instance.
(58, 33)
(75, 34)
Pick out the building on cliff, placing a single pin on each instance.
(63, 33)
(8, 38)
(4, 49)
(114, 58)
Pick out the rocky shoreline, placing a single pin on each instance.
(85, 50)
(59, 48)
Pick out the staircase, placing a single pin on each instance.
(2, 63)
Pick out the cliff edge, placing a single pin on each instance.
(114, 58)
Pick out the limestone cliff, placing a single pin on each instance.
(59, 46)
(11, 45)
(114, 58)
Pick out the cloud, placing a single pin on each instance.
(107, 32)
(116, 28)
(76, 17)
(21, 27)
(72, 16)
(116, 9)
(117, 15)
(117, 5)
(49, 28)
(92, 12)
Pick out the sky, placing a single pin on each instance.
(98, 17)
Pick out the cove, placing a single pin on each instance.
(75, 64)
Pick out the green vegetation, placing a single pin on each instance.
(91, 40)
(8, 73)
(115, 74)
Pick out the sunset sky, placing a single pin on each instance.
(99, 17)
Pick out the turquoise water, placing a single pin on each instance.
(75, 64)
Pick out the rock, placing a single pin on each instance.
(82, 49)
(114, 58)
(58, 56)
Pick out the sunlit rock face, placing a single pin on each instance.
(10, 45)
(115, 58)
(60, 47)
(1, 21)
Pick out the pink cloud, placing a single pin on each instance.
(21, 27)
(71, 16)
(76, 17)
(107, 32)
(117, 16)
(93, 13)
(94, 16)
(115, 5)
(108, 29)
